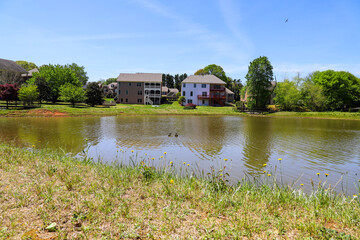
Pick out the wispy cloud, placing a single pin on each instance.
(231, 14)
(219, 45)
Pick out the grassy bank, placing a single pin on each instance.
(65, 109)
(61, 109)
(87, 200)
(325, 115)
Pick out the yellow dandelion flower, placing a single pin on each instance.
(184, 163)
(355, 196)
(161, 156)
(221, 175)
(132, 151)
(279, 159)
(225, 159)
(269, 174)
(33, 146)
(171, 181)
(171, 162)
(152, 158)
(326, 174)
(145, 154)
(188, 164)
(165, 152)
(120, 150)
(264, 171)
(318, 173)
(264, 165)
(302, 184)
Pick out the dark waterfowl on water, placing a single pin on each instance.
(169, 135)
(176, 135)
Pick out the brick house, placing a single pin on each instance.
(204, 90)
(139, 88)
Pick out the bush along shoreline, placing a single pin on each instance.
(48, 195)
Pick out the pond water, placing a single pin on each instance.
(306, 146)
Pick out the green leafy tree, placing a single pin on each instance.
(341, 89)
(235, 86)
(258, 82)
(93, 94)
(43, 89)
(201, 72)
(55, 76)
(313, 96)
(79, 72)
(287, 95)
(109, 80)
(26, 65)
(28, 94)
(71, 93)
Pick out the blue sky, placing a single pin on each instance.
(110, 37)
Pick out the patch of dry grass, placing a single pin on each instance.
(90, 200)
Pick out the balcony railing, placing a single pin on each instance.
(217, 89)
(212, 96)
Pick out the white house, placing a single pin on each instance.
(207, 90)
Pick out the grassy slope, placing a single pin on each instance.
(93, 201)
(165, 109)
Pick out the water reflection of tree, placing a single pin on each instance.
(258, 142)
(53, 133)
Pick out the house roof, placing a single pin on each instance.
(209, 79)
(140, 77)
(30, 73)
(11, 65)
(228, 91)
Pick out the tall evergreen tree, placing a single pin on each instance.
(93, 94)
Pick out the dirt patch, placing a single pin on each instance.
(46, 113)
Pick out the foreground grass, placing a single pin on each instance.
(89, 200)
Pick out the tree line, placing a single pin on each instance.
(52, 83)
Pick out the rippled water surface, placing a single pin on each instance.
(307, 146)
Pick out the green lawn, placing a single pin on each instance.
(165, 109)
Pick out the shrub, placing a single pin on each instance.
(181, 100)
(190, 106)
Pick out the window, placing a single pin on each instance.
(157, 91)
(204, 94)
(203, 85)
(138, 84)
(121, 100)
(203, 102)
(191, 93)
(139, 100)
(127, 92)
(189, 101)
(140, 92)
(119, 84)
(129, 84)
(194, 85)
(184, 85)
(126, 100)
(183, 93)
(119, 91)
